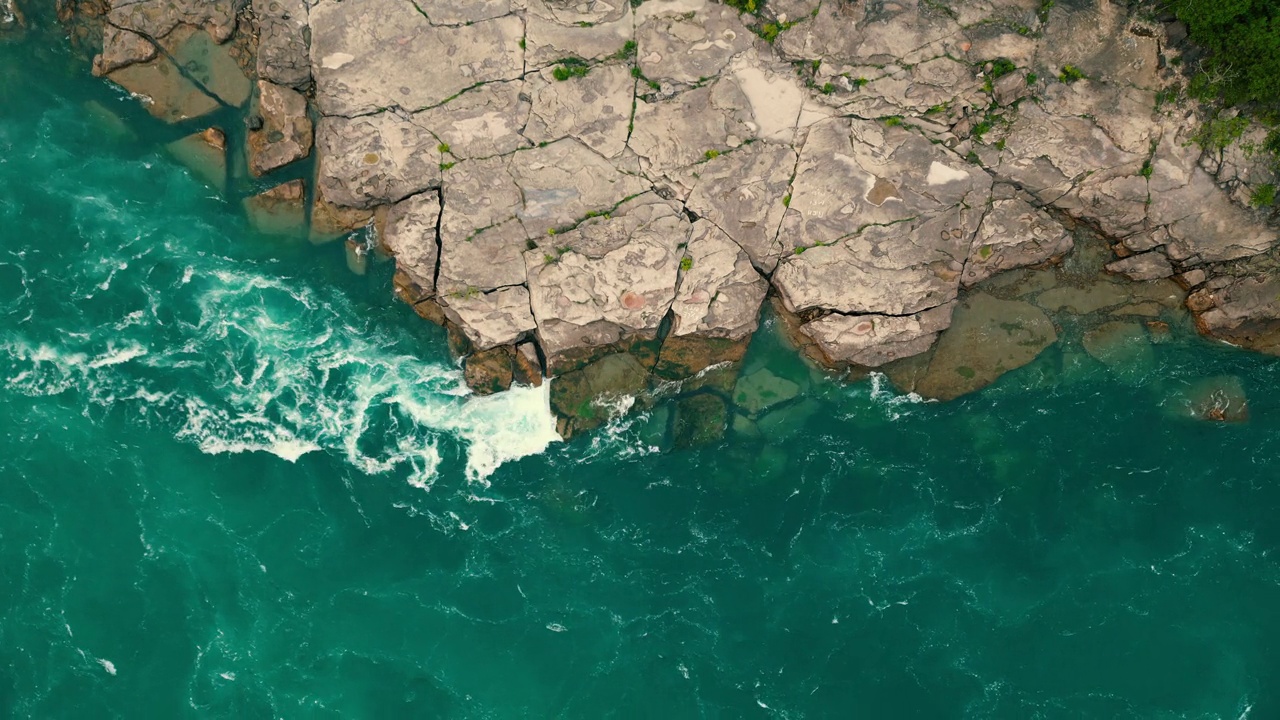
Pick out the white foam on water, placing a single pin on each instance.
(277, 367)
(107, 665)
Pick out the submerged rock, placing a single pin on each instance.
(699, 420)
(206, 154)
(1221, 399)
(1122, 346)
(761, 390)
(165, 92)
(280, 210)
(988, 337)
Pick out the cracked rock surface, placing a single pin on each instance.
(587, 178)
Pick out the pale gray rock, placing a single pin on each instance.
(745, 194)
(873, 340)
(873, 35)
(453, 12)
(375, 160)
(720, 293)
(368, 55)
(599, 291)
(673, 46)
(490, 258)
(913, 90)
(284, 56)
(854, 174)
(580, 13)
(548, 40)
(1241, 310)
(121, 48)
(678, 132)
(490, 319)
(410, 236)
(1145, 266)
(595, 110)
(482, 122)
(285, 136)
(1013, 234)
(898, 269)
(477, 194)
(157, 18)
(562, 182)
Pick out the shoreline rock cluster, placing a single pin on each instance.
(606, 191)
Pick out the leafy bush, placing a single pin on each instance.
(1242, 38)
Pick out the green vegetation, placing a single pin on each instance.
(786, 200)
(686, 263)
(1264, 196)
(860, 82)
(712, 154)
(443, 148)
(571, 67)
(1001, 67)
(1220, 132)
(446, 166)
(747, 6)
(827, 88)
(522, 44)
(628, 50)
(1032, 78)
(893, 121)
(1070, 74)
(1146, 169)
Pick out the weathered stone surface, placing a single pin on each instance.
(680, 48)
(367, 55)
(1085, 299)
(158, 18)
(719, 291)
(550, 35)
(614, 280)
(283, 52)
(121, 48)
(873, 340)
(676, 133)
(490, 319)
(595, 110)
(375, 160)
(745, 193)
(491, 258)
(988, 337)
(1241, 310)
(1146, 266)
(330, 221)
(489, 371)
(1013, 234)
(165, 92)
(285, 135)
(409, 234)
(562, 182)
(280, 210)
(451, 12)
(482, 122)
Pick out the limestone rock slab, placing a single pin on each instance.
(285, 136)
(490, 319)
(873, 340)
(375, 160)
(595, 110)
(1013, 234)
(284, 56)
(409, 234)
(373, 54)
(745, 193)
(720, 292)
(480, 123)
(560, 183)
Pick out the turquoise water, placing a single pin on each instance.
(239, 481)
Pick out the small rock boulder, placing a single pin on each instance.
(285, 135)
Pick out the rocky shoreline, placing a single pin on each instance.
(608, 192)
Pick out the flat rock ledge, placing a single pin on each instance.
(606, 193)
